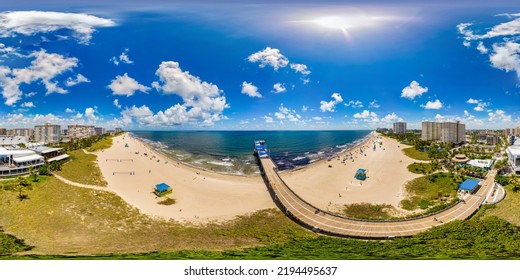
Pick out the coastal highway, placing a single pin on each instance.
(337, 225)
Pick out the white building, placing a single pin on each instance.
(513, 157)
(14, 162)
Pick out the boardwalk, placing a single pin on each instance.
(328, 223)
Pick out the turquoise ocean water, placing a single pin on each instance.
(232, 151)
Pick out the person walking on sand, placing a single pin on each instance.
(149, 171)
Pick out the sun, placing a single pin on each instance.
(334, 22)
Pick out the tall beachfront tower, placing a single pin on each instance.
(47, 133)
(77, 131)
(446, 132)
(400, 127)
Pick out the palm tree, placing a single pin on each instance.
(21, 185)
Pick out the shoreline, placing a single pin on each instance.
(166, 155)
(361, 142)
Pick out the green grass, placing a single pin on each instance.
(431, 191)
(82, 168)
(415, 154)
(508, 209)
(10, 244)
(367, 211)
(66, 220)
(487, 238)
(421, 168)
(101, 145)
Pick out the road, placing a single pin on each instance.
(332, 224)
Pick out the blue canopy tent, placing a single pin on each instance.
(162, 189)
(469, 185)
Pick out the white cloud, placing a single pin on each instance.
(33, 22)
(127, 86)
(6, 51)
(300, 68)
(390, 118)
(123, 58)
(305, 108)
(374, 104)
(317, 118)
(243, 122)
(203, 101)
(69, 110)
(435, 105)
(142, 115)
(79, 79)
(268, 119)
(506, 57)
(116, 103)
(250, 90)
(510, 28)
(28, 105)
(269, 56)
(285, 113)
(279, 88)
(367, 116)
(78, 116)
(354, 104)
(413, 90)
(43, 68)
(279, 115)
(90, 114)
(481, 48)
(481, 105)
(330, 106)
(499, 115)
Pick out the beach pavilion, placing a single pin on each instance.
(361, 174)
(162, 189)
(470, 185)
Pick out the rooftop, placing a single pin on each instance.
(469, 185)
(514, 150)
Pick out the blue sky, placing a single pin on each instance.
(259, 64)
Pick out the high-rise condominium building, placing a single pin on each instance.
(446, 132)
(47, 133)
(399, 127)
(76, 131)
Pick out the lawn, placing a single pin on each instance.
(367, 211)
(487, 238)
(508, 209)
(101, 145)
(415, 154)
(421, 168)
(82, 168)
(61, 219)
(431, 191)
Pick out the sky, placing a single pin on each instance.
(259, 65)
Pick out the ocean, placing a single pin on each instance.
(232, 151)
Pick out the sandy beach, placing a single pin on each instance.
(329, 187)
(202, 196)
